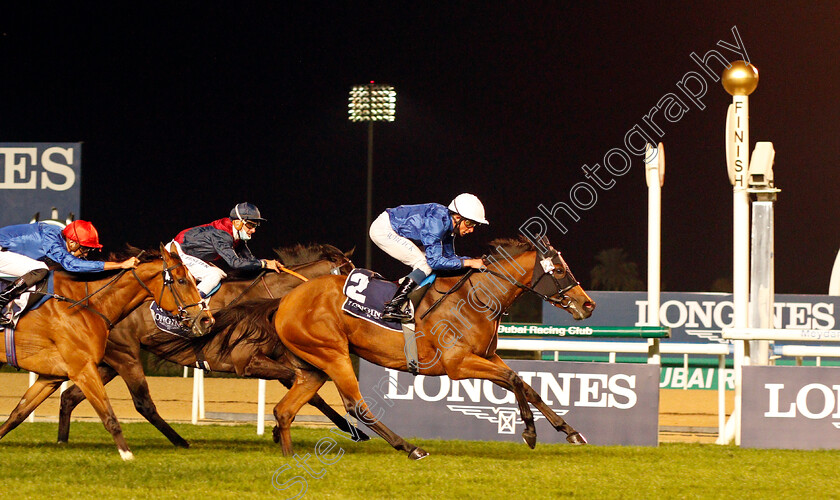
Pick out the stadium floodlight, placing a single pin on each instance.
(371, 103)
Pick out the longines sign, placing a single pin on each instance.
(35, 177)
(698, 317)
(607, 403)
(792, 407)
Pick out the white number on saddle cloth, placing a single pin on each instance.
(547, 265)
(355, 291)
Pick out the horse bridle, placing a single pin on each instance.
(168, 282)
(552, 265)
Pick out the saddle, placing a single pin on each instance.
(367, 292)
(29, 300)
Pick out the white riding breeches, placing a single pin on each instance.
(15, 264)
(207, 275)
(398, 247)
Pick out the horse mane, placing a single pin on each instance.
(250, 321)
(128, 250)
(513, 246)
(304, 254)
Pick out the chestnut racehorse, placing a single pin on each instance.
(457, 338)
(60, 342)
(257, 356)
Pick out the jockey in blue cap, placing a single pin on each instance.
(435, 227)
(222, 240)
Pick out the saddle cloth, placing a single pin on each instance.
(367, 293)
(167, 322)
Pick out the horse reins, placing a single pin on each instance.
(167, 282)
(261, 278)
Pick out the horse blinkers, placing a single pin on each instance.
(561, 279)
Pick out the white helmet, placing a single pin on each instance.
(468, 206)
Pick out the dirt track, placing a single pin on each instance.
(684, 416)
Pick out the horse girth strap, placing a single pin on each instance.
(449, 292)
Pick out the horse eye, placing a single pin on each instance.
(182, 281)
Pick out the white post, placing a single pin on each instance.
(762, 289)
(261, 407)
(32, 378)
(740, 79)
(654, 178)
(198, 395)
(740, 245)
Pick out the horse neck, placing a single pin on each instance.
(518, 269)
(128, 292)
(279, 283)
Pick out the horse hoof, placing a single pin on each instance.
(360, 437)
(530, 438)
(576, 438)
(275, 434)
(418, 453)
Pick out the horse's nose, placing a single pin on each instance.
(205, 323)
(589, 305)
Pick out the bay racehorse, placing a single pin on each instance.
(457, 338)
(60, 342)
(226, 349)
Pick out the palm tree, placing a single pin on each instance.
(614, 272)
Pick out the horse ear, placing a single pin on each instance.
(349, 253)
(165, 253)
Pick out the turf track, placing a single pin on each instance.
(232, 462)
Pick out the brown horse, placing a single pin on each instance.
(60, 342)
(248, 355)
(457, 339)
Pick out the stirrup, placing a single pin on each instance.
(398, 316)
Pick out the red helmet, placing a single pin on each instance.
(83, 233)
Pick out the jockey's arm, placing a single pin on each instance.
(128, 263)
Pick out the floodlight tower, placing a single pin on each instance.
(371, 103)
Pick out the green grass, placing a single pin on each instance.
(233, 462)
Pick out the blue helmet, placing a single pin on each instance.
(245, 211)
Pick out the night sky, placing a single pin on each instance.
(185, 110)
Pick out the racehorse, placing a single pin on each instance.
(248, 356)
(60, 342)
(458, 339)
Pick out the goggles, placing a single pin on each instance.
(251, 224)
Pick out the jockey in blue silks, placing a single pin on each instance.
(434, 226)
(23, 248)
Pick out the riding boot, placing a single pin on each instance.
(18, 287)
(393, 309)
(8, 295)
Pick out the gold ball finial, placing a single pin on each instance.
(740, 78)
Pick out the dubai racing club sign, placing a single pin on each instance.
(608, 403)
(793, 407)
(37, 177)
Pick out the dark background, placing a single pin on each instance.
(186, 109)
